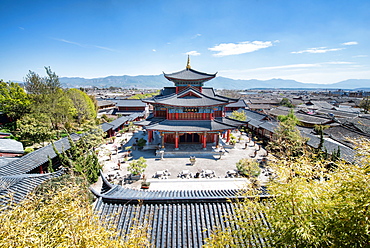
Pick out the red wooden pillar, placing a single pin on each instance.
(228, 136)
(224, 135)
(150, 136)
(217, 140)
(204, 116)
(204, 140)
(177, 116)
(176, 141)
(41, 171)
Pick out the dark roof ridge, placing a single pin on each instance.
(189, 69)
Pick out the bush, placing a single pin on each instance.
(137, 167)
(248, 167)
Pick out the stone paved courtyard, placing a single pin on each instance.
(176, 161)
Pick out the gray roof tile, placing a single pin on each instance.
(189, 74)
(14, 189)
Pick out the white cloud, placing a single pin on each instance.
(69, 42)
(22, 28)
(154, 50)
(193, 53)
(225, 49)
(196, 36)
(323, 72)
(360, 56)
(85, 45)
(319, 50)
(293, 67)
(350, 43)
(105, 48)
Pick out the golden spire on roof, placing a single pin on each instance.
(188, 64)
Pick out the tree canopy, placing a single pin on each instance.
(60, 215)
(312, 206)
(14, 101)
(44, 110)
(240, 116)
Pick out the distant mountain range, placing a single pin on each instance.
(159, 81)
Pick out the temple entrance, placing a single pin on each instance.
(189, 138)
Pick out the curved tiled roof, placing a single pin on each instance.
(190, 125)
(190, 98)
(34, 159)
(13, 189)
(116, 193)
(175, 218)
(189, 75)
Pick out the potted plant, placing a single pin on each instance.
(141, 143)
(145, 185)
(136, 168)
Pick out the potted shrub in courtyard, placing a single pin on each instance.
(145, 185)
(136, 168)
(249, 168)
(141, 143)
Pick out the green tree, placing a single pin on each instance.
(34, 129)
(286, 102)
(240, 116)
(61, 215)
(49, 98)
(85, 108)
(137, 166)
(14, 101)
(41, 86)
(331, 211)
(288, 140)
(248, 167)
(81, 157)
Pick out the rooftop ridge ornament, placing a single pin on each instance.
(188, 64)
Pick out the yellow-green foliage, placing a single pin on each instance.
(314, 206)
(144, 96)
(63, 217)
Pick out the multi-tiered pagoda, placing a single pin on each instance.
(189, 112)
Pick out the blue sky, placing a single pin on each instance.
(317, 41)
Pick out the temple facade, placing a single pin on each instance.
(189, 112)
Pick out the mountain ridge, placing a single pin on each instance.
(159, 81)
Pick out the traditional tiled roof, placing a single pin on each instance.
(329, 146)
(233, 122)
(178, 218)
(149, 121)
(119, 122)
(342, 134)
(260, 106)
(13, 189)
(263, 101)
(7, 160)
(189, 98)
(321, 104)
(190, 126)
(189, 75)
(254, 115)
(11, 146)
(336, 113)
(304, 118)
(105, 103)
(130, 103)
(34, 159)
(106, 126)
(360, 123)
(255, 123)
(269, 126)
(239, 104)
